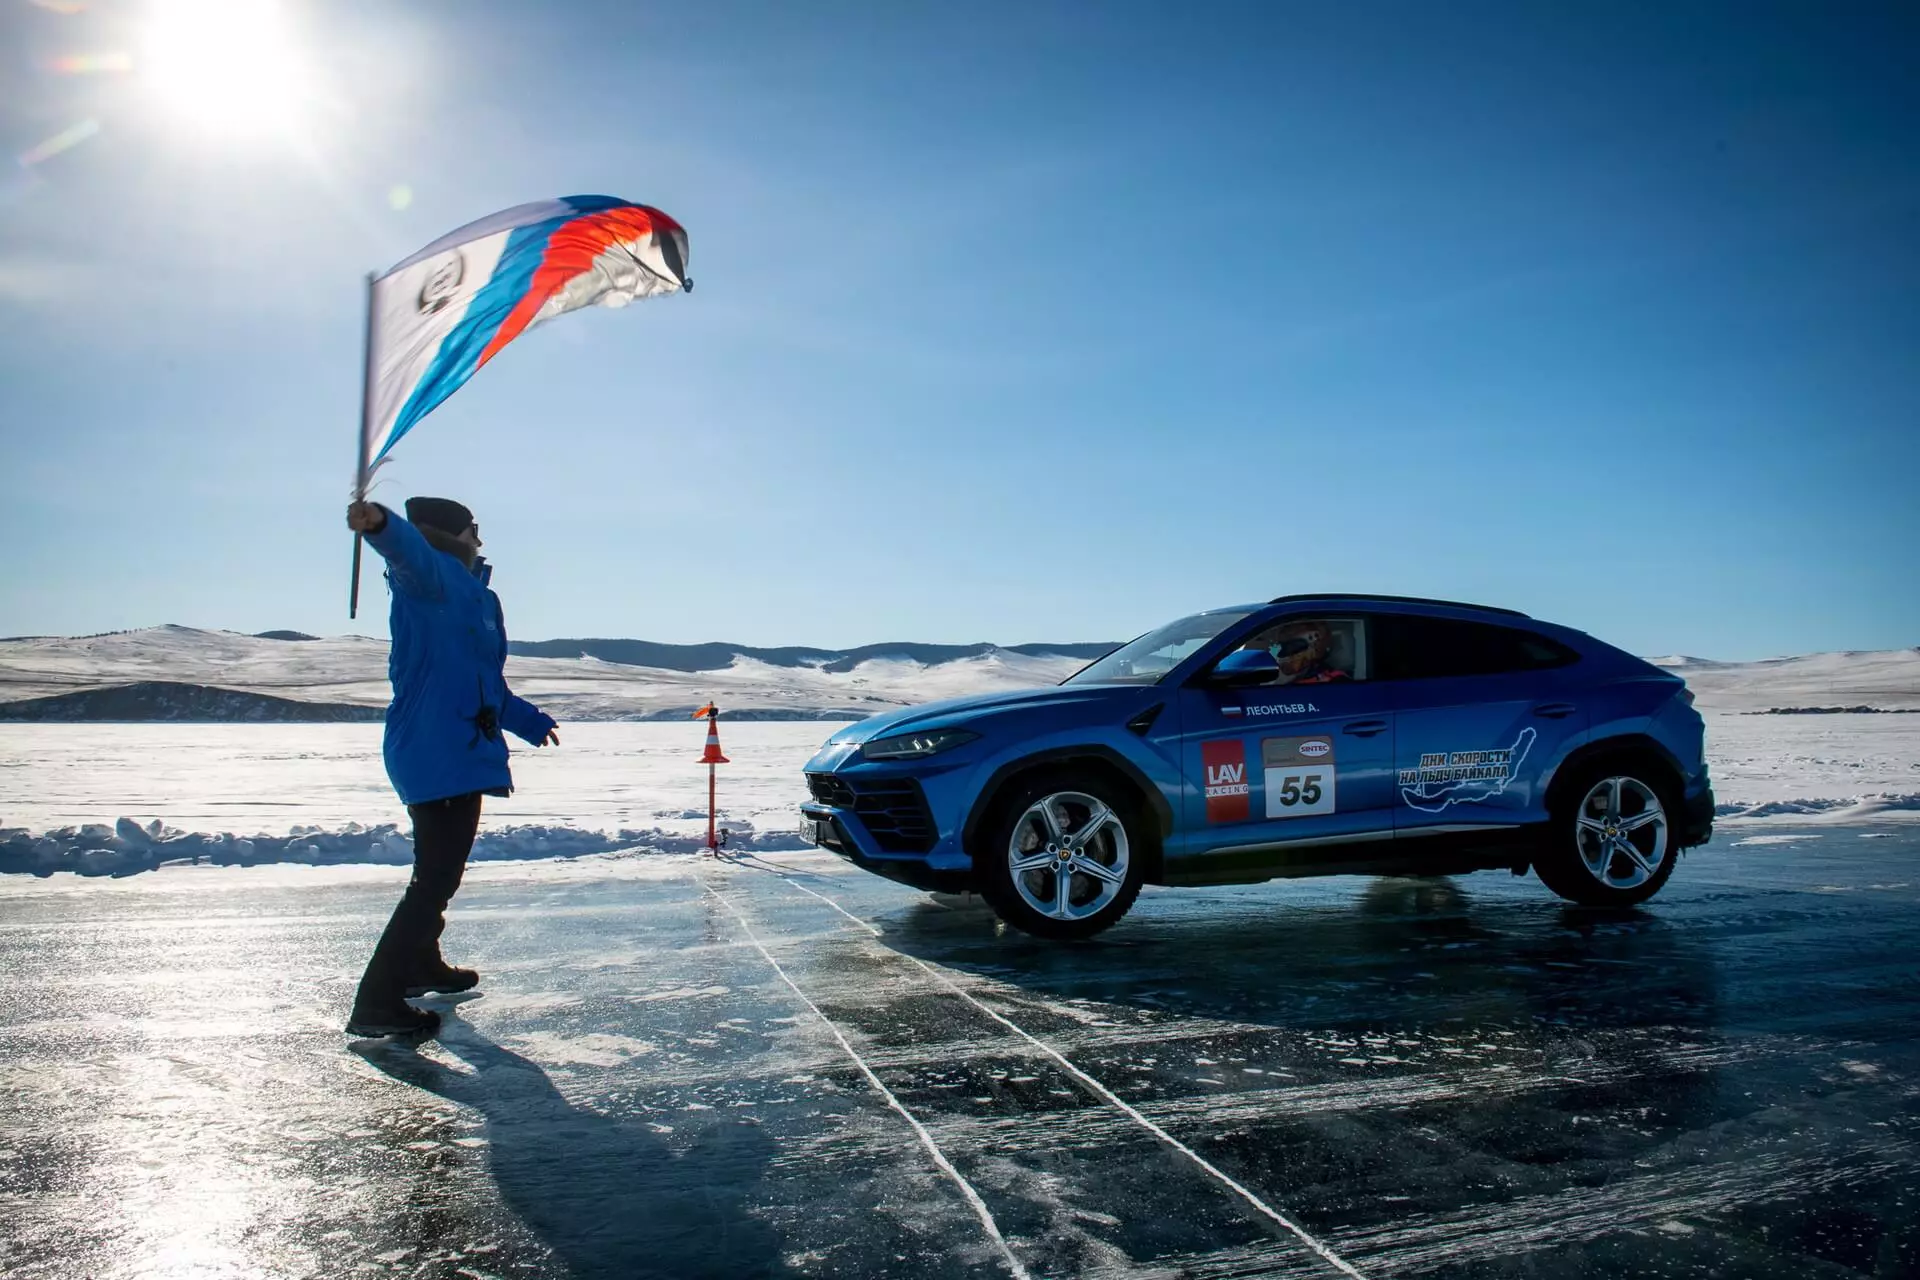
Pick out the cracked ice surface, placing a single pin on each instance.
(1456, 1078)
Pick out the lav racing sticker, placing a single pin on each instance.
(1463, 777)
(1299, 776)
(1229, 796)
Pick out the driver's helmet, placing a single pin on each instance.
(1319, 638)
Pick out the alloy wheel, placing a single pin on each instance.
(1068, 855)
(1621, 833)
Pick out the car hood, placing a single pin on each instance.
(956, 711)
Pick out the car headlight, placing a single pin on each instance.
(916, 746)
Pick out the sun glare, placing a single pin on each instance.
(229, 68)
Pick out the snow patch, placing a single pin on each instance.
(596, 1049)
(127, 848)
(1852, 807)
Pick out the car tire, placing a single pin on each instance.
(1064, 855)
(1614, 836)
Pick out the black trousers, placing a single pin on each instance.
(443, 832)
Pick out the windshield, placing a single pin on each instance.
(1146, 660)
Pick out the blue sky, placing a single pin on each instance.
(1011, 323)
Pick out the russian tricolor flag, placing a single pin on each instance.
(434, 319)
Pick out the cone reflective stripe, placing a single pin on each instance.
(713, 755)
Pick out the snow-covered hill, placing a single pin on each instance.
(1888, 680)
(195, 703)
(352, 671)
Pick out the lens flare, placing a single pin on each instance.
(84, 64)
(228, 67)
(68, 138)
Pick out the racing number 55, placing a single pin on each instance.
(1305, 789)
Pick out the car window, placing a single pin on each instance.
(1415, 648)
(1316, 650)
(1146, 660)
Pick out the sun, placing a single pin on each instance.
(228, 68)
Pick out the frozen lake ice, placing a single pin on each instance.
(781, 1067)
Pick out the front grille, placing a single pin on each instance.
(893, 810)
(828, 789)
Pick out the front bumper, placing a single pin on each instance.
(840, 832)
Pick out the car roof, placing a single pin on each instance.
(1350, 598)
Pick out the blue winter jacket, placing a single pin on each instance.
(448, 667)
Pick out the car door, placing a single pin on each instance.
(1300, 764)
(1481, 713)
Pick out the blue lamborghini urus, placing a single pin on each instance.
(1312, 735)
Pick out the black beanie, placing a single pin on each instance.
(444, 514)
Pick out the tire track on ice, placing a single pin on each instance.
(1326, 1256)
(940, 1160)
(1576, 1214)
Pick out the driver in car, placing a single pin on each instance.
(1304, 651)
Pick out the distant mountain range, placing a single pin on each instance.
(720, 656)
(184, 674)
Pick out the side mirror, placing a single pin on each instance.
(1244, 668)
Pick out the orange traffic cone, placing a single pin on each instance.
(713, 755)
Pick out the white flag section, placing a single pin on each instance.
(441, 314)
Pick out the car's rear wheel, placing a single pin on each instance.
(1065, 856)
(1615, 837)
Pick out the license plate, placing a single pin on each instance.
(813, 830)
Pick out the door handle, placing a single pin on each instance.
(1555, 710)
(1364, 728)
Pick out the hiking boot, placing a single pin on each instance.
(444, 980)
(402, 1021)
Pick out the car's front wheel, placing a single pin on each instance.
(1615, 838)
(1065, 857)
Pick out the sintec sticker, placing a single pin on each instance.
(1299, 776)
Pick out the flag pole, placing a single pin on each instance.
(360, 473)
